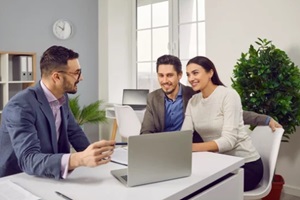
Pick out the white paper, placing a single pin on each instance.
(12, 191)
(120, 156)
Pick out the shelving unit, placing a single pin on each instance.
(17, 72)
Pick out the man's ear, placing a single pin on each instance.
(55, 76)
(180, 75)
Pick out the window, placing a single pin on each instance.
(174, 27)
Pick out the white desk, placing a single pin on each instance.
(98, 183)
(110, 114)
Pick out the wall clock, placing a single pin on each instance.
(62, 29)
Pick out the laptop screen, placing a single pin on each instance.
(149, 165)
(134, 97)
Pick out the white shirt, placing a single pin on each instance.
(219, 118)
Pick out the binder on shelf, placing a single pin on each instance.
(29, 68)
(10, 67)
(19, 68)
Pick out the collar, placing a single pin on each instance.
(179, 94)
(50, 97)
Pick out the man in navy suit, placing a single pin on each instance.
(38, 126)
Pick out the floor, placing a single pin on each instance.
(288, 197)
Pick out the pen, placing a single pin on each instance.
(118, 163)
(121, 143)
(62, 195)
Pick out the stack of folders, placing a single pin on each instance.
(22, 68)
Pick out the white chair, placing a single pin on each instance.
(267, 144)
(127, 121)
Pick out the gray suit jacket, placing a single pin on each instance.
(28, 140)
(154, 118)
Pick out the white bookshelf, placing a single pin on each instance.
(12, 78)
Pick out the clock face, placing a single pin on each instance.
(62, 29)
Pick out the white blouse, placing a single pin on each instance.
(219, 118)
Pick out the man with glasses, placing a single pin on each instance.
(38, 126)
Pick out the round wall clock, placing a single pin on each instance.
(62, 29)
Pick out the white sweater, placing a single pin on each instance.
(219, 117)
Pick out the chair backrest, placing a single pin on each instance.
(267, 143)
(127, 121)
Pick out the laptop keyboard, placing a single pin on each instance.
(124, 177)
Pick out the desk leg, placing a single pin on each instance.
(114, 130)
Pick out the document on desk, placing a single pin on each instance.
(12, 191)
(120, 156)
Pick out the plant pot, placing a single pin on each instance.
(277, 186)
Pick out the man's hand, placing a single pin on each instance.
(273, 124)
(94, 155)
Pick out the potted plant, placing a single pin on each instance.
(269, 83)
(87, 114)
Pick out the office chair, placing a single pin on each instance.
(267, 143)
(128, 124)
(127, 121)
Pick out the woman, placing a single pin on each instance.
(216, 114)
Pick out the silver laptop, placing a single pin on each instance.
(157, 157)
(135, 98)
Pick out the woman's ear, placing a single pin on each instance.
(211, 73)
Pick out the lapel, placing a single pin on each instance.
(45, 108)
(63, 147)
(161, 108)
(185, 96)
(63, 125)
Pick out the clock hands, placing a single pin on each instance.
(62, 27)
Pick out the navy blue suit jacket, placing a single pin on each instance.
(28, 141)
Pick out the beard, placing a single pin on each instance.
(169, 92)
(69, 87)
(71, 91)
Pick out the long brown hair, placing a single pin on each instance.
(207, 65)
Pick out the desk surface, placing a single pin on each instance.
(98, 183)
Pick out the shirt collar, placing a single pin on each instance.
(179, 94)
(50, 97)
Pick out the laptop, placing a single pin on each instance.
(157, 157)
(135, 98)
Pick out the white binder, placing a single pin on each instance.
(29, 68)
(19, 68)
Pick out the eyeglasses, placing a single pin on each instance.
(76, 73)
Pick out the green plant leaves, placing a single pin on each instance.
(269, 83)
(87, 114)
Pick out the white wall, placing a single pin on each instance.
(231, 26)
(116, 29)
(116, 71)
